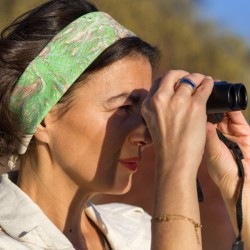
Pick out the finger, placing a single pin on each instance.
(168, 82)
(203, 92)
(237, 117)
(154, 87)
(185, 80)
(212, 140)
(188, 84)
(233, 120)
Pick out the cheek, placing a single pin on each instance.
(75, 137)
(117, 130)
(90, 139)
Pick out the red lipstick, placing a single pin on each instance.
(130, 163)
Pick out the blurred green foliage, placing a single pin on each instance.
(186, 42)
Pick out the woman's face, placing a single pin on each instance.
(96, 141)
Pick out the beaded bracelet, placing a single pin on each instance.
(169, 217)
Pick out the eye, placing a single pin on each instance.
(126, 108)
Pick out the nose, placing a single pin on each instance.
(140, 136)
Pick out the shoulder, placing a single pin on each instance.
(125, 211)
(130, 224)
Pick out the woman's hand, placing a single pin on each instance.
(176, 117)
(220, 161)
(224, 171)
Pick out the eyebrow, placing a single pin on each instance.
(124, 96)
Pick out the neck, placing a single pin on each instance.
(58, 196)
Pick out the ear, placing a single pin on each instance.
(42, 131)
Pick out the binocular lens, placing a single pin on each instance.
(227, 97)
(241, 93)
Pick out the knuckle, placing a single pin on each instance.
(204, 91)
(159, 98)
(198, 75)
(180, 101)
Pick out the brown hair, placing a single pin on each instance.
(22, 41)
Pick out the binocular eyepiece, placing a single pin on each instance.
(226, 97)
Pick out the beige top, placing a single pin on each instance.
(24, 226)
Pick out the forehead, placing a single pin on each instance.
(129, 74)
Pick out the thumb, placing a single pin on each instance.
(213, 143)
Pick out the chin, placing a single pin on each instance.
(121, 187)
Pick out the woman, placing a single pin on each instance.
(77, 108)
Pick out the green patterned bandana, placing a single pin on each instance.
(59, 65)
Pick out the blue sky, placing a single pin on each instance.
(233, 15)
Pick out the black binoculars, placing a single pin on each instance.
(226, 97)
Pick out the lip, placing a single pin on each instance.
(130, 163)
